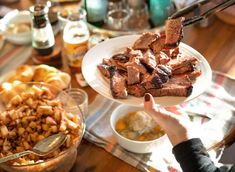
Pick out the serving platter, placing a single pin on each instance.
(116, 45)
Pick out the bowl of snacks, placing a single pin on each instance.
(30, 112)
(18, 27)
(135, 130)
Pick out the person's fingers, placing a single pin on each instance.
(177, 110)
(149, 103)
(159, 114)
(174, 109)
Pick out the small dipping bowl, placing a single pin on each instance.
(117, 19)
(132, 145)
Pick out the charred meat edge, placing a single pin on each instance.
(117, 84)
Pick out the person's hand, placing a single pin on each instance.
(173, 121)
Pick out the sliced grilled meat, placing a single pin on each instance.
(163, 76)
(174, 53)
(133, 54)
(104, 69)
(162, 58)
(176, 86)
(187, 68)
(182, 61)
(159, 44)
(134, 60)
(133, 75)
(152, 81)
(122, 58)
(193, 75)
(145, 40)
(106, 62)
(172, 90)
(149, 60)
(166, 69)
(174, 32)
(117, 84)
(136, 90)
(118, 64)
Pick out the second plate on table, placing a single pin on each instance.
(116, 45)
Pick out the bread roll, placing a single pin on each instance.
(66, 78)
(57, 82)
(22, 73)
(42, 71)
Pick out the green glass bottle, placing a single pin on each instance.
(96, 11)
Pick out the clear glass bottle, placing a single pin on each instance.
(75, 37)
(43, 39)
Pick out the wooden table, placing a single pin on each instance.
(216, 43)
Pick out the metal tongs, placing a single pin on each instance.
(196, 6)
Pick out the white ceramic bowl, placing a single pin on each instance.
(131, 145)
(14, 17)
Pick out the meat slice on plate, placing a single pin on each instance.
(106, 62)
(149, 60)
(174, 53)
(166, 69)
(136, 90)
(134, 60)
(182, 61)
(145, 40)
(104, 69)
(174, 32)
(162, 58)
(117, 84)
(133, 75)
(187, 68)
(122, 58)
(164, 75)
(177, 86)
(194, 74)
(152, 81)
(159, 44)
(132, 54)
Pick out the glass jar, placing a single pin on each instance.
(75, 37)
(43, 39)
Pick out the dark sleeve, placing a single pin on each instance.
(193, 157)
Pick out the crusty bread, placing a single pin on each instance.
(22, 73)
(40, 73)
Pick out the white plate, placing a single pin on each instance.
(14, 17)
(112, 46)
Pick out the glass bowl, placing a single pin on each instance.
(62, 162)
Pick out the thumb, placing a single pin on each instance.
(149, 103)
(150, 107)
(160, 115)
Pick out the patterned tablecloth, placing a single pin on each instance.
(218, 102)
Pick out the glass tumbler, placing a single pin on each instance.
(81, 99)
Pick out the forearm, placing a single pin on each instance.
(192, 156)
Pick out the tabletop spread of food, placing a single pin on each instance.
(154, 64)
